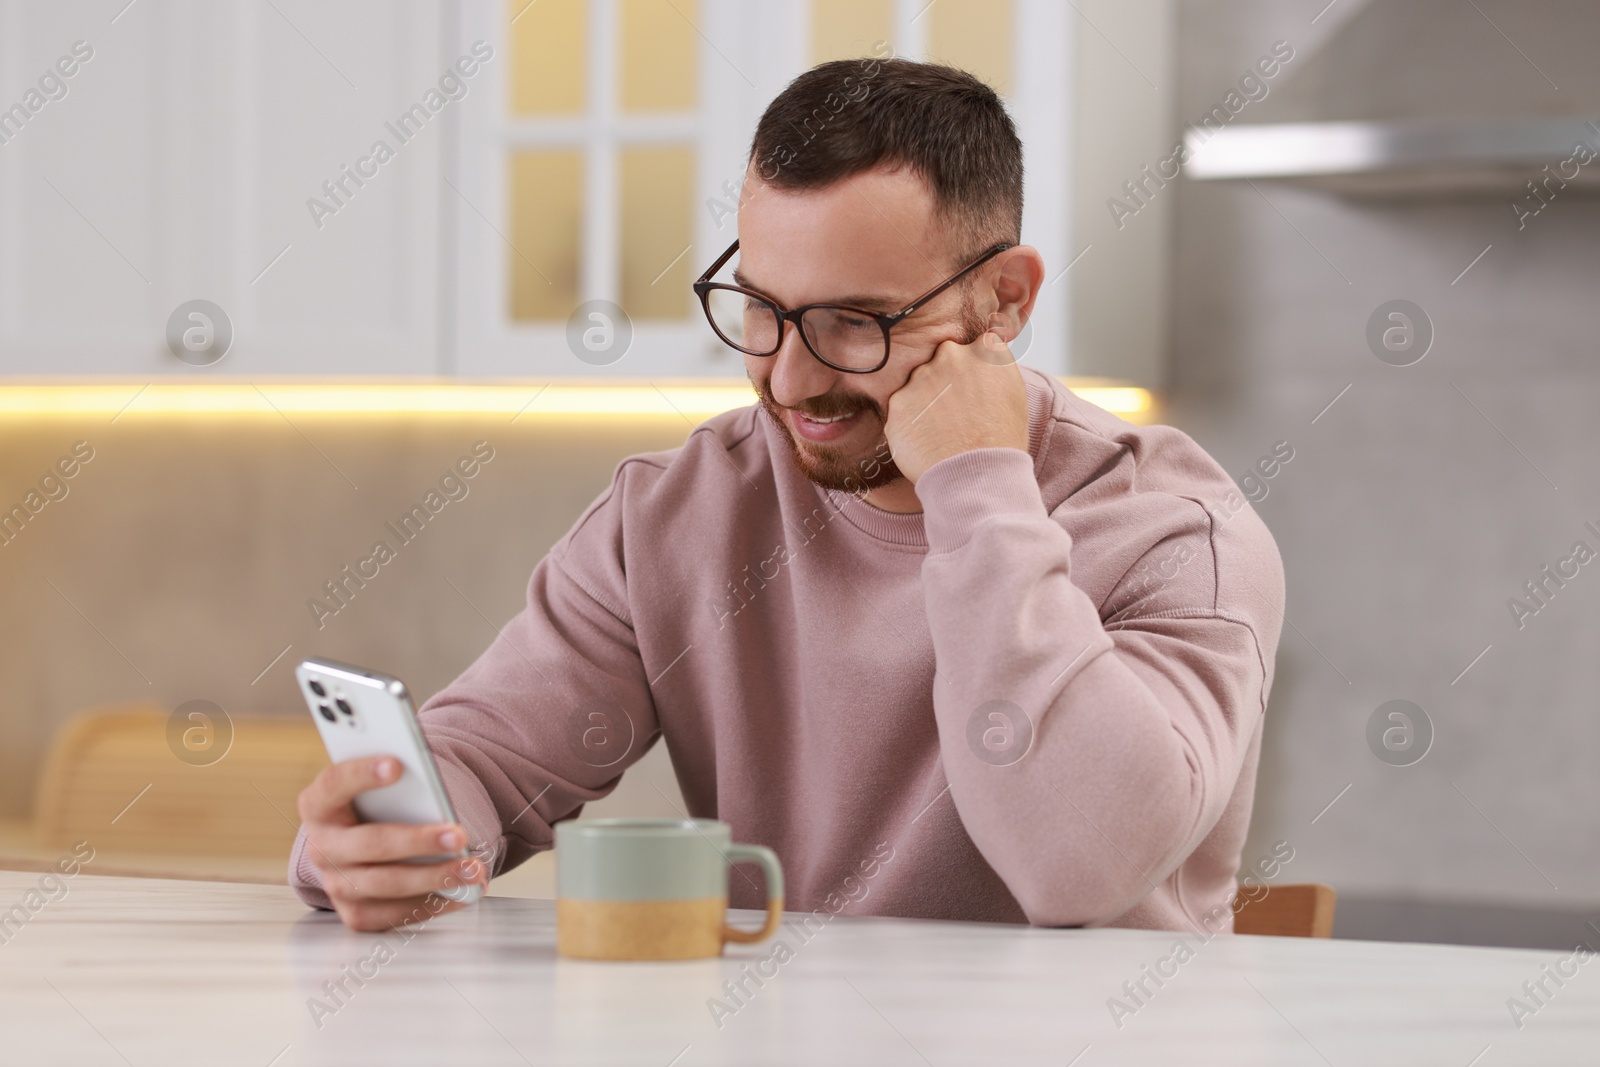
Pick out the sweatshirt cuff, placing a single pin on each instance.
(475, 812)
(304, 878)
(960, 492)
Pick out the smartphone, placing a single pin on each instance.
(365, 713)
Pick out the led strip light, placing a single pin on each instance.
(699, 400)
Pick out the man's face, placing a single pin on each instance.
(869, 241)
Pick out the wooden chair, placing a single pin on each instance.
(1288, 911)
(111, 779)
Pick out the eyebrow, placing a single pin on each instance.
(866, 302)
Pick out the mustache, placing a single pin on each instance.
(826, 406)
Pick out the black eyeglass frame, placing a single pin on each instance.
(703, 287)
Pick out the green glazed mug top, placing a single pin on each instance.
(645, 859)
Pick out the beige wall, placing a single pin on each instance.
(190, 546)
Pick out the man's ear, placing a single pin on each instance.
(1016, 288)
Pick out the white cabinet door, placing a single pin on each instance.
(746, 52)
(181, 162)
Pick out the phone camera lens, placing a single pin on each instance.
(326, 712)
(344, 706)
(316, 687)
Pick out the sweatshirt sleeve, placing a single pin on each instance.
(550, 715)
(1138, 727)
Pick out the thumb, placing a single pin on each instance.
(993, 348)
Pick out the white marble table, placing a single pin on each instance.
(150, 972)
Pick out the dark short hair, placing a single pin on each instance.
(849, 116)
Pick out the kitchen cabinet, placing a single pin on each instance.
(379, 189)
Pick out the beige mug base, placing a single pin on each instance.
(640, 929)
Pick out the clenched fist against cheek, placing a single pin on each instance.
(966, 397)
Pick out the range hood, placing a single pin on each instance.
(1410, 157)
(1428, 98)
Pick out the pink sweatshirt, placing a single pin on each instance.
(827, 676)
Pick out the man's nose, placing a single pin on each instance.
(797, 375)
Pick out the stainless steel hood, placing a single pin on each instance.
(1429, 98)
(1410, 157)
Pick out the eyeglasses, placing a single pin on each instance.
(845, 338)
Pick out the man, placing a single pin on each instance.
(954, 642)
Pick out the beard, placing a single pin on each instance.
(833, 467)
(830, 466)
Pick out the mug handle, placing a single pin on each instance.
(768, 861)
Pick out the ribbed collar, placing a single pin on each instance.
(908, 530)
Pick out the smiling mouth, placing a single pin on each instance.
(823, 429)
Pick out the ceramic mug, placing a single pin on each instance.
(653, 889)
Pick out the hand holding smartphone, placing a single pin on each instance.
(383, 841)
